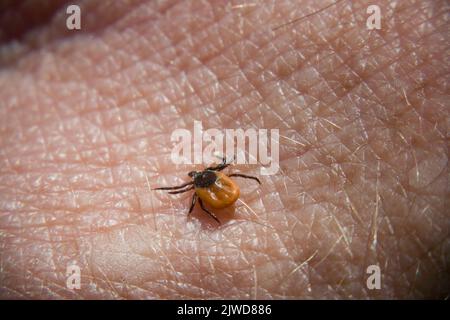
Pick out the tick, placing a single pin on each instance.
(211, 186)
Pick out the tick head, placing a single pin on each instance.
(193, 174)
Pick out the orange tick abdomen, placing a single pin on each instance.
(221, 194)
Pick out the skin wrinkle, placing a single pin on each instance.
(54, 34)
(181, 172)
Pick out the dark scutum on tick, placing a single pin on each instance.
(204, 179)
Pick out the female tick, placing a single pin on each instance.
(211, 186)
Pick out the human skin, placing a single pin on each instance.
(86, 120)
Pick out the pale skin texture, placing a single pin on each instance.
(85, 124)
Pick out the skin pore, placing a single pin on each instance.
(85, 124)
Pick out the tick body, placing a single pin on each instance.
(219, 191)
(211, 186)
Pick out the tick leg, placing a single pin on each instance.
(221, 166)
(207, 211)
(244, 176)
(181, 191)
(194, 199)
(174, 188)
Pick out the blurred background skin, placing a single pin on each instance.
(85, 124)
